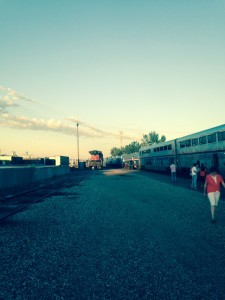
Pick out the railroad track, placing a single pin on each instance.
(13, 204)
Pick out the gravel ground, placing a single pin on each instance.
(116, 235)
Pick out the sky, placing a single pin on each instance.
(118, 68)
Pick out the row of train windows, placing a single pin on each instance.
(157, 149)
(212, 138)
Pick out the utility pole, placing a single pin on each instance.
(78, 158)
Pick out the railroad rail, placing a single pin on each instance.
(13, 204)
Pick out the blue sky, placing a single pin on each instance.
(115, 66)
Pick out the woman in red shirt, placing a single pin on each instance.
(212, 184)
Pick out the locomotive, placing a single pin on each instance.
(96, 160)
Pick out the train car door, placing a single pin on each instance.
(215, 161)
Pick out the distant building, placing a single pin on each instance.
(33, 161)
(10, 160)
(61, 160)
(39, 161)
(47, 161)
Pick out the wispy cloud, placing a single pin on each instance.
(14, 95)
(94, 130)
(6, 102)
(10, 98)
(23, 122)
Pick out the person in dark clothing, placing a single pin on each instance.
(202, 174)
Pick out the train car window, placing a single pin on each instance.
(182, 144)
(165, 148)
(155, 149)
(202, 140)
(161, 148)
(194, 142)
(221, 136)
(188, 143)
(169, 147)
(212, 138)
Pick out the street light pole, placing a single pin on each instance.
(78, 159)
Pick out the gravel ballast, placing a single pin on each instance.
(117, 235)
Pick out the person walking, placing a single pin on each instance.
(212, 186)
(194, 176)
(173, 170)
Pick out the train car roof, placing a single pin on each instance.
(203, 132)
(134, 154)
(199, 133)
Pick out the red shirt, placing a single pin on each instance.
(213, 186)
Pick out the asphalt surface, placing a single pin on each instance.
(117, 235)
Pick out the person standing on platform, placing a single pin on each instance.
(173, 170)
(194, 177)
(202, 174)
(212, 186)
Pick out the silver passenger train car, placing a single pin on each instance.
(207, 147)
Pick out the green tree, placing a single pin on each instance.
(152, 138)
(116, 151)
(148, 139)
(132, 147)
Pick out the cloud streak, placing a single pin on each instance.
(10, 98)
(14, 95)
(25, 123)
(95, 131)
(6, 102)
(68, 126)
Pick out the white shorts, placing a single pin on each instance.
(214, 198)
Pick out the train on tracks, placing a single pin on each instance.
(114, 162)
(207, 147)
(96, 160)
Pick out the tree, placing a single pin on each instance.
(152, 138)
(116, 151)
(132, 147)
(162, 139)
(148, 139)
